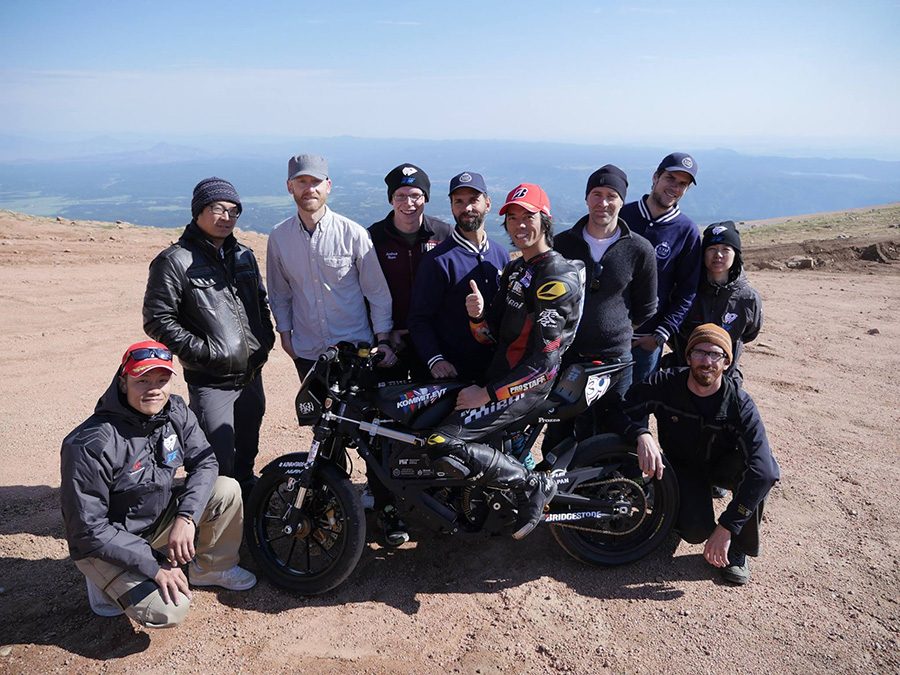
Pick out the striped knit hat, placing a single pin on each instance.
(211, 190)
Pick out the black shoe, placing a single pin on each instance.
(393, 528)
(738, 570)
(718, 492)
(538, 491)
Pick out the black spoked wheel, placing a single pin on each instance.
(312, 551)
(646, 509)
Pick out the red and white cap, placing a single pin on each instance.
(530, 197)
(147, 355)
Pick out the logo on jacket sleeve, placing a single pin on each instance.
(552, 290)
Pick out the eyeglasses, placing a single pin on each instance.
(715, 357)
(150, 353)
(415, 199)
(234, 213)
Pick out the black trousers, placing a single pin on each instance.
(231, 419)
(696, 518)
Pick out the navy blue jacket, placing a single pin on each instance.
(676, 241)
(438, 322)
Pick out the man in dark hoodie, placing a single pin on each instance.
(725, 296)
(205, 299)
(129, 527)
(401, 239)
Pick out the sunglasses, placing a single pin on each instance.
(150, 353)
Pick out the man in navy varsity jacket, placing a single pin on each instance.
(675, 238)
(438, 323)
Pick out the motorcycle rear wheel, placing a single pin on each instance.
(328, 541)
(622, 540)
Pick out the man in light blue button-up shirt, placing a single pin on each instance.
(321, 270)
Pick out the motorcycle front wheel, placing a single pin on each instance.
(648, 508)
(313, 551)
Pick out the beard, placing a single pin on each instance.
(471, 224)
(704, 375)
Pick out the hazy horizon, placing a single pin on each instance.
(815, 76)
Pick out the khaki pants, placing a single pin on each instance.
(217, 542)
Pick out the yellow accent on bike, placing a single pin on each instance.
(436, 439)
(552, 290)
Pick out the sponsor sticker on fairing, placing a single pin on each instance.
(596, 386)
(415, 398)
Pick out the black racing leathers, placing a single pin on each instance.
(117, 472)
(209, 307)
(532, 320)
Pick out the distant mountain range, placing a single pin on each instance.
(150, 183)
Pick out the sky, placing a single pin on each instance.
(801, 77)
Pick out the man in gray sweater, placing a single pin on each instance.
(620, 288)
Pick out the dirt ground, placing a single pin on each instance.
(823, 596)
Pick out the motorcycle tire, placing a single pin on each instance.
(328, 542)
(625, 539)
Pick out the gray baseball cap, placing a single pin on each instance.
(308, 165)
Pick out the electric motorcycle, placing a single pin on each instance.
(305, 523)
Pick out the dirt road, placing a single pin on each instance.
(823, 596)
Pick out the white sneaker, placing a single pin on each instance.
(101, 603)
(234, 579)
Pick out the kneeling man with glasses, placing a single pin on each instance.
(129, 526)
(712, 434)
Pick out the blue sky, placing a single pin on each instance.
(762, 76)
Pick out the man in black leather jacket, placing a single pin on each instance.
(205, 299)
(532, 321)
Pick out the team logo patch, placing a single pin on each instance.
(687, 162)
(169, 442)
(728, 319)
(408, 170)
(663, 250)
(549, 318)
(465, 178)
(521, 192)
(596, 386)
(719, 229)
(552, 290)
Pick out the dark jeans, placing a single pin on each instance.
(231, 419)
(645, 363)
(696, 518)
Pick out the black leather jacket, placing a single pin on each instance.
(532, 320)
(210, 308)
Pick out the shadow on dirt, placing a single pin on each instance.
(44, 600)
(481, 564)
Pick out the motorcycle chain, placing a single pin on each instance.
(607, 532)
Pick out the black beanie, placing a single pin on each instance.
(722, 233)
(211, 190)
(609, 176)
(407, 175)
